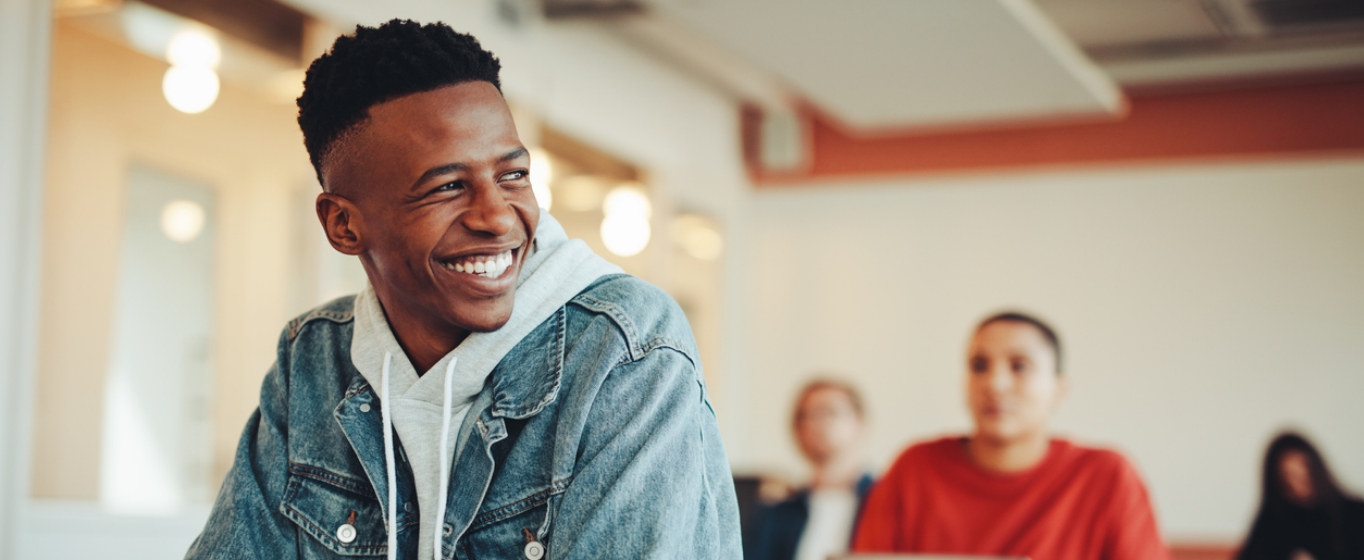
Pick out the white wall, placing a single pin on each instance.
(24, 27)
(1202, 307)
(245, 148)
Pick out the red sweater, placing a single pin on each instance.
(1077, 504)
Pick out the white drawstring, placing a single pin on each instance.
(386, 412)
(444, 463)
(391, 465)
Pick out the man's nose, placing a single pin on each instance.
(489, 212)
(1000, 379)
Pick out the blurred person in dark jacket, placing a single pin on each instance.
(828, 422)
(1304, 513)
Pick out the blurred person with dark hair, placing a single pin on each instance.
(1303, 513)
(497, 390)
(828, 422)
(1010, 488)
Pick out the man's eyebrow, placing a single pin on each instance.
(453, 167)
(437, 171)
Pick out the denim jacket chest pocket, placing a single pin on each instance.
(521, 498)
(340, 514)
(504, 531)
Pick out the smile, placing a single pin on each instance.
(488, 266)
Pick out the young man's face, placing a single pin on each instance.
(433, 193)
(1012, 385)
(827, 424)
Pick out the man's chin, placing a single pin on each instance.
(482, 323)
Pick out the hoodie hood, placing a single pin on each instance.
(425, 408)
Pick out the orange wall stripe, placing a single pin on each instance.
(1322, 117)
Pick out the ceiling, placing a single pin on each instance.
(889, 64)
(877, 65)
(1172, 42)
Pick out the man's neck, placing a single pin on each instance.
(1018, 454)
(423, 340)
(841, 471)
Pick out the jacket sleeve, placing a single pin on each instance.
(246, 521)
(651, 480)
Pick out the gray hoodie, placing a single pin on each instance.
(425, 409)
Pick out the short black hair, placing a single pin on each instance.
(379, 64)
(1019, 317)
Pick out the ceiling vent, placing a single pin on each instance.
(1295, 15)
(571, 9)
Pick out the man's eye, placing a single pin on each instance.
(453, 185)
(515, 175)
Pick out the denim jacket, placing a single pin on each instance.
(593, 438)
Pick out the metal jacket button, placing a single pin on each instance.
(345, 533)
(535, 550)
(364, 407)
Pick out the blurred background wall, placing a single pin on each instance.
(107, 117)
(1202, 308)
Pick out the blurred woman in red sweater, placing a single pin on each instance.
(1010, 488)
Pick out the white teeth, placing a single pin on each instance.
(491, 267)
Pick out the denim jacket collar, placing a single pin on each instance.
(528, 378)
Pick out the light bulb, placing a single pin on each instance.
(627, 200)
(195, 48)
(625, 235)
(190, 89)
(182, 221)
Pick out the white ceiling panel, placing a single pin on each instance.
(1100, 23)
(880, 64)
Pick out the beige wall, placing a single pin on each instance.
(107, 113)
(1202, 306)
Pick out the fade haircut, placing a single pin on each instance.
(1018, 317)
(379, 64)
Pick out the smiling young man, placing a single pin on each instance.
(1010, 489)
(498, 391)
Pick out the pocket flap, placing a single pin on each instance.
(320, 502)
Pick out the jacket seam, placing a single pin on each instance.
(642, 351)
(315, 531)
(617, 315)
(340, 481)
(321, 535)
(338, 317)
(636, 348)
(520, 506)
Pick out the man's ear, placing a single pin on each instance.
(342, 223)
